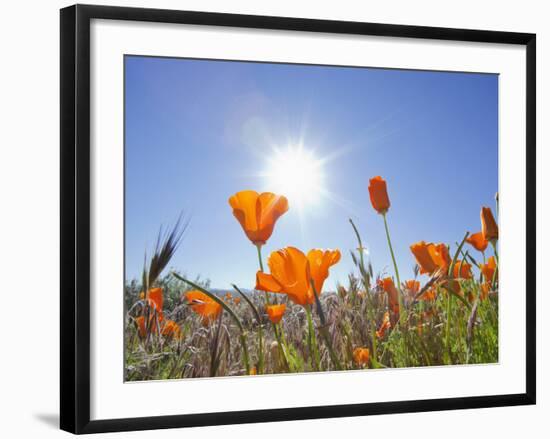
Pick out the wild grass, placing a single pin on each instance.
(445, 329)
(446, 315)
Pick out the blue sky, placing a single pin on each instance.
(198, 131)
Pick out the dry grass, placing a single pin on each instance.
(353, 315)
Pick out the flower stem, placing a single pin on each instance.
(392, 254)
(312, 340)
(448, 328)
(260, 351)
(323, 329)
(245, 352)
(259, 248)
(402, 318)
(362, 269)
(259, 320)
(283, 348)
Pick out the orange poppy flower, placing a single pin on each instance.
(379, 194)
(361, 356)
(477, 241)
(431, 257)
(153, 325)
(253, 371)
(140, 321)
(171, 329)
(489, 269)
(155, 298)
(454, 286)
(236, 300)
(393, 295)
(464, 268)
(275, 312)
(203, 305)
(257, 213)
(384, 326)
(291, 271)
(489, 227)
(228, 296)
(428, 295)
(421, 252)
(440, 255)
(484, 293)
(413, 287)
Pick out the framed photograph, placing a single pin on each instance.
(268, 218)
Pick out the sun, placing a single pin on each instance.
(297, 174)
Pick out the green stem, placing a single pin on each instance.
(360, 248)
(260, 352)
(259, 248)
(374, 359)
(402, 321)
(391, 252)
(245, 352)
(324, 328)
(259, 320)
(312, 340)
(448, 328)
(364, 274)
(281, 342)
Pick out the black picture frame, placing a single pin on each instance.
(75, 217)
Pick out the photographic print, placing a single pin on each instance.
(292, 218)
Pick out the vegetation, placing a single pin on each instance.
(180, 328)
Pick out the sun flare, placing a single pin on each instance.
(296, 173)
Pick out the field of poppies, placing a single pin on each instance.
(177, 327)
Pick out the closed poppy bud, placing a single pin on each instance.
(477, 241)
(140, 323)
(385, 325)
(484, 293)
(393, 295)
(361, 356)
(489, 227)
(379, 194)
(488, 269)
(275, 312)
